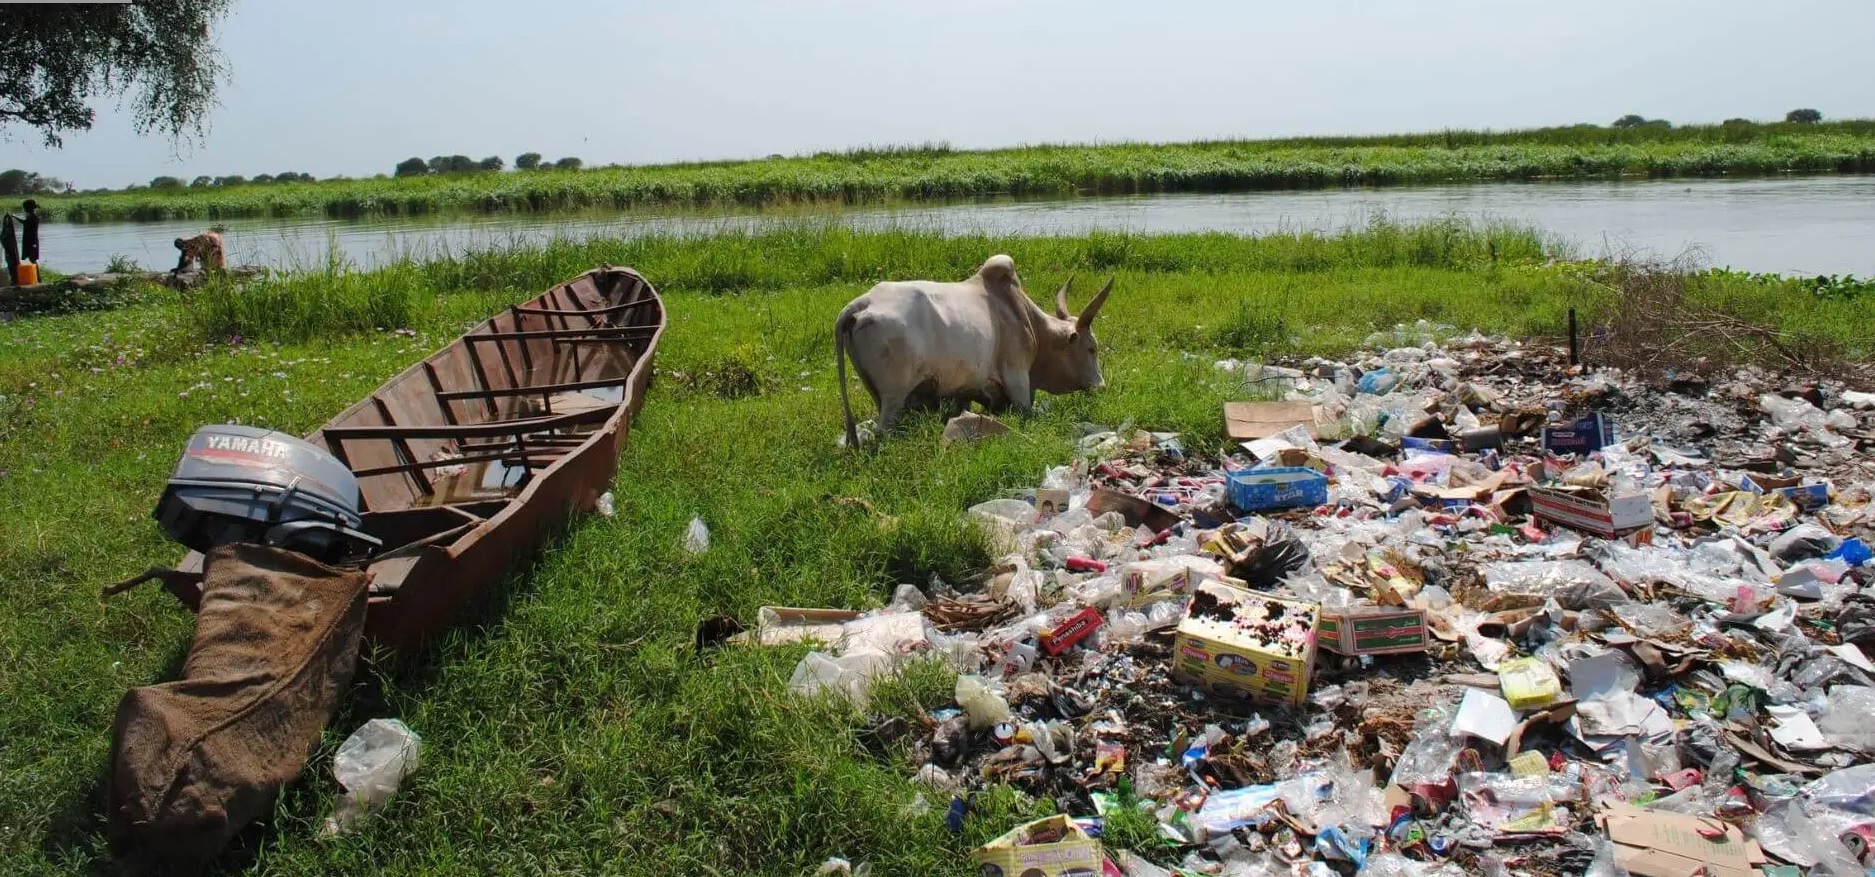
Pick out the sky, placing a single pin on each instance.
(354, 86)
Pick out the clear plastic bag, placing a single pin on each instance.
(1846, 721)
(697, 537)
(370, 765)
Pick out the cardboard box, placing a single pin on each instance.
(1244, 421)
(1051, 501)
(1591, 433)
(1375, 632)
(1806, 496)
(1592, 511)
(1136, 511)
(1051, 847)
(1244, 644)
(1281, 487)
(1071, 630)
(1654, 843)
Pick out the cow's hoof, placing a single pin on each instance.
(865, 433)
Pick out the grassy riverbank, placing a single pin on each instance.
(934, 173)
(573, 729)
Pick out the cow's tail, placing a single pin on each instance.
(842, 328)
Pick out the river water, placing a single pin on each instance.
(1806, 225)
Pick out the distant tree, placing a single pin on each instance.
(452, 164)
(264, 179)
(61, 56)
(567, 164)
(236, 180)
(166, 183)
(1804, 116)
(527, 161)
(491, 163)
(1633, 121)
(19, 182)
(1736, 123)
(412, 167)
(201, 182)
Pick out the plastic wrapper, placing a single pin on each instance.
(697, 537)
(907, 598)
(983, 706)
(1792, 414)
(1808, 838)
(1849, 719)
(1803, 542)
(1573, 584)
(370, 765)
(848, 676)
(1429, 756)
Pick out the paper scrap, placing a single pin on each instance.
(1795, 731)
(1486, 716)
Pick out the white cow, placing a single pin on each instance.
(923, 343)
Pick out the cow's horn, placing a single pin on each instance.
(1061, 300)
(1093, 307)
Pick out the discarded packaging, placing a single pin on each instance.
(1241, 644)
(1653, 843)
(1281, 487)
(1592, 511)
(1050, 847)
(1591, 433)
(1246, 421)
(1373, 631)
(369, 766)
(1528, 683)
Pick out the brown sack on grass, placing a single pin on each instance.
(195, 760)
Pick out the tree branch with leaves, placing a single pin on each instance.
(61, 57)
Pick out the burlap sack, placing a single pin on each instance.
(195, 760)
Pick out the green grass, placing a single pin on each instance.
(937, 172)
(570, 728)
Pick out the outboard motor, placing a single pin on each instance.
(245, 484)
(280, 606)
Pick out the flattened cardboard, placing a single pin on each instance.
(1245, 421)
(1653, 843)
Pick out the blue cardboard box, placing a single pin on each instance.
(1591, 433)
(1277, 488)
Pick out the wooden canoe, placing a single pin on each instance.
(466, 460)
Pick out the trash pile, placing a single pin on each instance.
(1447, 608)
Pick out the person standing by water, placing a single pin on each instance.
(206, 248)
(19, 238)
(29, 232)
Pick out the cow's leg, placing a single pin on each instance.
(1016, 387)
(893, 401)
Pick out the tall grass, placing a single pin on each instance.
(337, 298)
(935, 171)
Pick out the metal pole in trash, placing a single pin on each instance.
(1575, 357)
